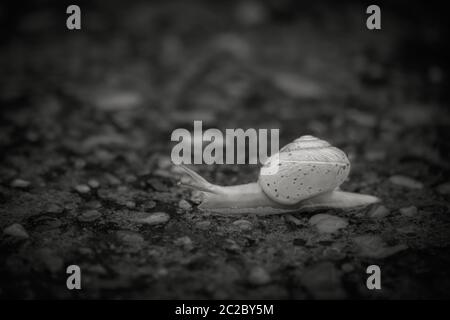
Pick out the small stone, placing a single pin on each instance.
(185, 242)
(406, 182)
(409, 211)
(232, 246)
(371, 246)
(153, 218)
(112, 179)
(378, 212)
(183, 204)
(94, 184)
(375, 155)
(80, 163)
(258, 276)
(83, 189)
(148, 205)
(50, 259)
(408, 229)
(117, 100)
(130, 204)
(53, 208)
(197, 197)
(94, 204)
(16, 230)
(444, 188)
(89, 216)
(293, 220)
(327, 223)
(203, 225)
(297, 86)
(45, 223)
(251, 12)
(129, 237)
(20, 184)
(243, 225)
(86, 251)
(347, 267)
(323, 281)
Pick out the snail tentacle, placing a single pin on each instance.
(197, 182)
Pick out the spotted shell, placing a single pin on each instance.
(303, 169)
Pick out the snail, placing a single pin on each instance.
(305, 174)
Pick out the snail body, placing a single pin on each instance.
(305, 174)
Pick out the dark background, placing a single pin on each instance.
(100, 104)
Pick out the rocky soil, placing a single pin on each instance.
(85, 169)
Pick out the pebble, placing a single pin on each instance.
(89, 216)
(347, 267)
(130, 204)
(117, 100)
(327, 223)
(20, 184)
(371, 246)
(258, 276)
(243, 225)
(232, 246)
(444, 188)
(203, 225)
(45, 223)
(185, 242)
(16, 230)
(378, 212)
(129, 237)
(409, 211)
(293, 220)
(375, 155)
(183, 204)
(251, 13)
(154, 218)
(112, 179)
(197, 197)
(83, 189)
(94, 184)
(53, 208)
(408, 229)
(94, 204)
(323, 281)
(50, 259)
(296, 86)
(406, 182)
(148, 205)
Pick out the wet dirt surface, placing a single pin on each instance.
(86, 119)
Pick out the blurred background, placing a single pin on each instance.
(85, 124)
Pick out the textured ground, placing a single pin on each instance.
(85, 128)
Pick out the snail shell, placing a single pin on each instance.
(303, 169)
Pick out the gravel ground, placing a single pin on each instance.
(85, 170)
